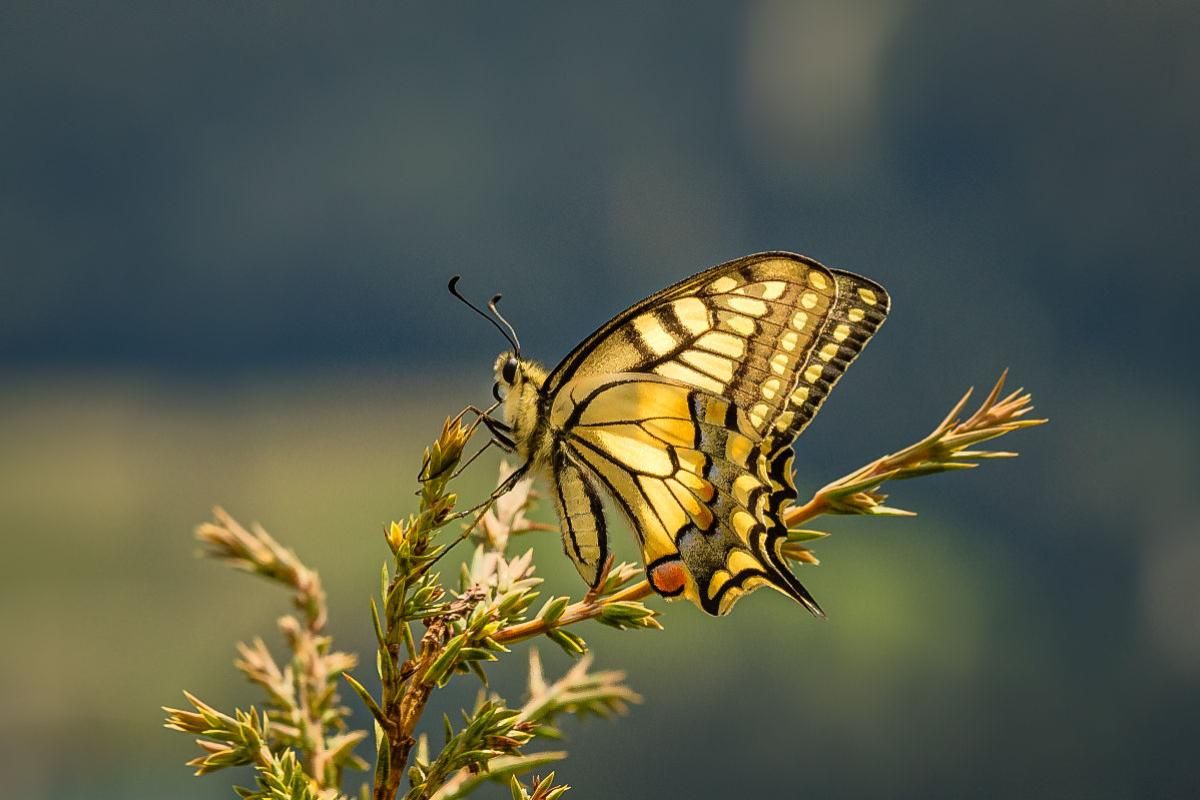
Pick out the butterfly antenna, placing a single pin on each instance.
(513, 331)
(453, 287)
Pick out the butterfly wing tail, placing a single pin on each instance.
(769, 546)
(785, 581)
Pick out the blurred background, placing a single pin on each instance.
(225, 233)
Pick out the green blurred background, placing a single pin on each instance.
(225, 232)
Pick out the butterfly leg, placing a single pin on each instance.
(501, 432)
(479, 414)
(498, 439)
(504, 488)
(463, 466)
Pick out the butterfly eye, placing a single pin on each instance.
(509, 371)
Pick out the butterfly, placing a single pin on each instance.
(684, 409)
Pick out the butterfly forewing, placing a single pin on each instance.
(742, 330)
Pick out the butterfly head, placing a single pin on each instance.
(518, 388)
(510, 377)
(518, 382)
(516, 376)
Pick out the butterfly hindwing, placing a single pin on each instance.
(635, 435)
(742, 553)
(686, 467)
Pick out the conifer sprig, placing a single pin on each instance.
(945, 449)
(303, 711)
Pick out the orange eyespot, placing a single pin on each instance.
(668, 576)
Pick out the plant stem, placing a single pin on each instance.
(405, 711)
(576, 612)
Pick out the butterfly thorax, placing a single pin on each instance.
(521, 380)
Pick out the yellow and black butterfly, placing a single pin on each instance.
(684, 409)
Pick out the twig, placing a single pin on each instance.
(943, 450)
(576, 612)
